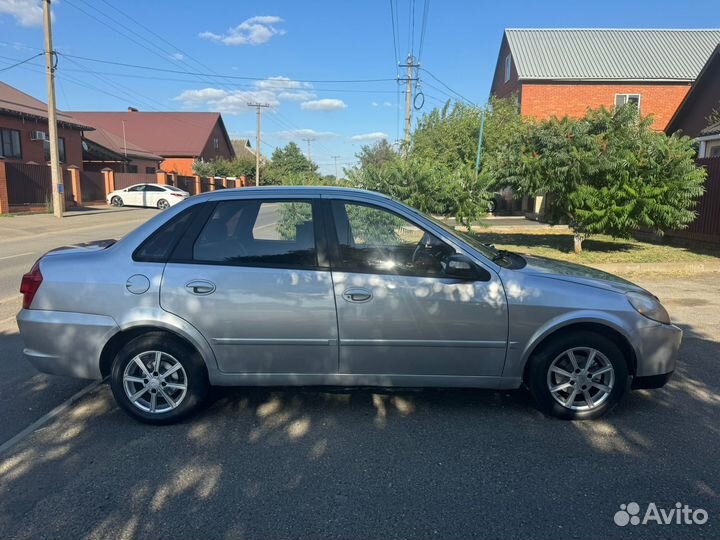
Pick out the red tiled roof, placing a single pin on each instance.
(15, 102)
(168, 134)
(116, 144)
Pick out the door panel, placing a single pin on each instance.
(421, 326)
(258, 320)
(250, 282)
(398, 312)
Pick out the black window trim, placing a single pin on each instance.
(19, 156)
(201, 214)
(334, 245)
(182, 253)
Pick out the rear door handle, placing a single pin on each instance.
(357, 295)
(200, 286)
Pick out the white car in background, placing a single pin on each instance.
(151, 195)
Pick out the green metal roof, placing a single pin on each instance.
(610, 54)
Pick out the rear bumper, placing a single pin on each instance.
(659, 345)
(64, 343)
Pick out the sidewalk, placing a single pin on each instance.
(31, 225)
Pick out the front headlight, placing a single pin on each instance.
(648, 306)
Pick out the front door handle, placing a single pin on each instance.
(200, 286)
(357, 295)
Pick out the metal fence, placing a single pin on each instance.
(92, 185)
(186, 183)
(31, 185)
(706, 226)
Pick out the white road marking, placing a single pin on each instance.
(57, 411)
(18, 255)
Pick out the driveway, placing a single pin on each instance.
(356, 464)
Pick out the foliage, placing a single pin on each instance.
(376, 155)
(237, 167)
(714, 116)
(287, 165)
(608, 172)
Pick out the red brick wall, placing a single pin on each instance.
(182, 166)
(544, 100)
(33, 150)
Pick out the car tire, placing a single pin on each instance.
(162, 204)
(164, 400)
(552, 376)
(117, 201)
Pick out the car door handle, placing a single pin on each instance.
(200, 286)
(357, 295)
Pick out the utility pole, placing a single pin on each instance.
(58, 194)
(258, 107)
(337, 177)
(410, 65)
(308, 141)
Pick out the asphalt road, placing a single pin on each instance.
(25, 394)
(274, 463)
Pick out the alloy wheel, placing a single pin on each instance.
(155, 382)
(581, 378)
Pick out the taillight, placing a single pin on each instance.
(30, 284)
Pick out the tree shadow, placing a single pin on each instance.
(560, 242)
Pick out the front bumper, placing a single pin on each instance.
(64, 343)
(658, 346)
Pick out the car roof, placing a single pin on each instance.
(290, 191)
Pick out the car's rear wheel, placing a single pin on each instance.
(158, 379)
(163, 204)
(117, 201)
(578, 376)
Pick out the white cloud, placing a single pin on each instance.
(223, 101)
(374, 136)
(323, 105)
(253, 31)
(177, 56)
(387, 104)
(301, 95)
(25, 12)
(305, 134)
(375, 104)
(384, 104)
(281, 83)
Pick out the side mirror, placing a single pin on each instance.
(462, 267)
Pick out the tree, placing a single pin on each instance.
(376, 155)
(287, 164)
(608, 173)
(237, 167)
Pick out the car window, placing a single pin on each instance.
(172, 188)
(140, 187)
(159, 245)
(374, 240)
(262, 233)
(150, 187)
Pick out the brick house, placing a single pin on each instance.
(691, 118)
(24, 128)
(102, 149)
(563, 72)
(180, 138)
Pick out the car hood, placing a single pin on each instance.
(577, 273)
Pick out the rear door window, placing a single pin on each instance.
(259, 233)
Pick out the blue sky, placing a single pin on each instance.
(284, 44)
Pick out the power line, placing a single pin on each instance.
(22, 62)
(446, 86)
(423, 27)
(236, 77)
(394, 34)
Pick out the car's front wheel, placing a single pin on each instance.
(158, 379)
(117, 201)
(578, 376)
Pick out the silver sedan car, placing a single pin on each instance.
(334, 287)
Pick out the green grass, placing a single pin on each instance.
(597, 249)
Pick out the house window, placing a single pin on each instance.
(216, 144)
(508, 67)
(150, 170)
(622, 99)
(10, 144)
(131, 168)
(713, 149)
(61, 149)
